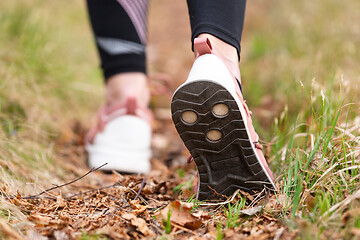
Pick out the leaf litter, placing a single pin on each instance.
(119, 206)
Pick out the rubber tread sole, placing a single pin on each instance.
(229, 163)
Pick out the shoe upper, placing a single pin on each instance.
(107, 114)
(121, 139)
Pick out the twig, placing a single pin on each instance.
(63, 185)
(141, 188)
(257, 198)
(182, 228)
(221, 203)
(216, 193)
(92, 190)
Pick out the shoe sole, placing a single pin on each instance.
(211, 125)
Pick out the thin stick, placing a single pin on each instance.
(65, 184)
(92, 190)
(221, 203)
(141, 188)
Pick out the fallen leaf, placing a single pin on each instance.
(137, 207)
(181, 215)
(61, 235)
(31, 234)
(276, 202)
(139, 223)
(355, 231)
(251, 211)
(201, 215)
(247, 195)
(38, 219)
(309, 200)
(349, 215)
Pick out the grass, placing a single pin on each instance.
(319, 161)
(167, 223)
(40, 74)
(219, 232)
(39, 81)
(300, 75)
(232, 213)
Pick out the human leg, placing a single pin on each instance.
(120, 34)
(209, 111)
(122, 134)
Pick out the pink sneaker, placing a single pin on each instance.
(121, 138)
(215, 124)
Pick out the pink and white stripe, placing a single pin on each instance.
(137, 12)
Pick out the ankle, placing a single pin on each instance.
(222, 47)
(225, 51)
(124, 85)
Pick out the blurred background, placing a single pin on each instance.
(47, 52)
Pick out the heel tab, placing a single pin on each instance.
(131, 105)
(202, 46)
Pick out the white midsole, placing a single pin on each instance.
(124, 161)
(209, 67)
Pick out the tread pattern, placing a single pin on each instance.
(228, 164)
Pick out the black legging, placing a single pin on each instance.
(120, 29)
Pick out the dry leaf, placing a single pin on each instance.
(247, 195)
(137, 207)
(61, 235)
(201, 215)
(355, 231)
(139, 223)
(276, 202)
(251, 211)
(181, 215)
(39, 220)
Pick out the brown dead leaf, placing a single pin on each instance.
(201, 215)
(31, 234)
(181, 215)
(60, 202)
(268, 217)
(355, 231)
(277, 202)
(137, 207)
(247, 195)
(139, 223)
(159, 169)
(309, 200)
(61, 235)
(116, 232)
(18, 201)
(231, 234)
(39, 219)
(349, 214)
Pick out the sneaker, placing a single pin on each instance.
(215, 125)
(121, 138)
